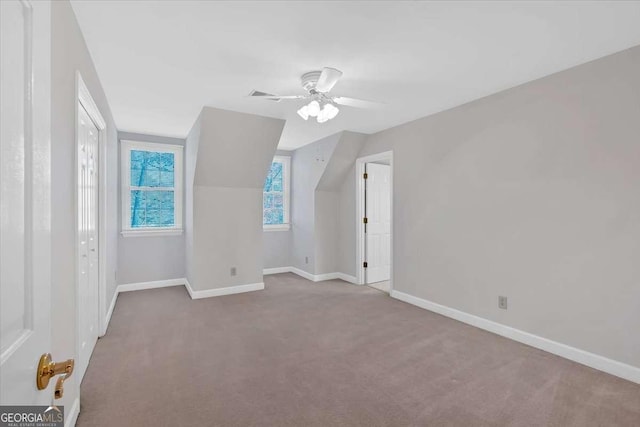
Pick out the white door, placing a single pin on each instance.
(378, 227)
(88, 257)
(25, 199)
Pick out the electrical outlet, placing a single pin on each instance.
(233, 271)
(502, 303)
(306, 260)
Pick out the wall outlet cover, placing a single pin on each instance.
(502, 302)
(233, 271)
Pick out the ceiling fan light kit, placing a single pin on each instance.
(324, 114)
(322, 106)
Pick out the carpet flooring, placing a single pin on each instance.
(384, 286)
(329, 354)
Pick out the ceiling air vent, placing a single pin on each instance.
(264, 94)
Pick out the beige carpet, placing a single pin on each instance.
(329, 354)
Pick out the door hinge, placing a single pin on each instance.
(365, 264)
(365, 220)
(365, 176)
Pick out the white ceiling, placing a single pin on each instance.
(161, 62)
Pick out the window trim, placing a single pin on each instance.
(126, 146)
(286, 190)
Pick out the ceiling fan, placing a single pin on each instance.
(323, 106)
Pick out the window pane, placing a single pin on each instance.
(267, 201)
(273, 216)
(150, 178)
(278, 201)
(152, 169)
(273, 195)
(274, 178)
(137, 159)
(166, 179)
(152, 208)
(166, 162)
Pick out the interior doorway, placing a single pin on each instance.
(375, 221)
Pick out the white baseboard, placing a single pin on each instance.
(347, 278)
(592, 360)
(304, 274)
(309, 276)
(110, 311)
(150, 285)
(276, 270)
(229, 290)
(325, 276)
(71, 417)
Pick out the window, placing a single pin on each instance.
(151, 188)
(275, 195)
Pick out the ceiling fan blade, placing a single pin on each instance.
(328, 79)
(357, 103)
(279, 96)
(270, 96)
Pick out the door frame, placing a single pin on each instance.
(360, 210)
(84, 98)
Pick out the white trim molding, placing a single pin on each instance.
(309, 276)
(347, 278)
(583, 357)
(276, 270)
(229, 290)
(107, 318)
(304, 274)
(72, 415)
(156, 232)
(150, 285)
(276, 227)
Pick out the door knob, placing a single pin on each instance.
(48, 369)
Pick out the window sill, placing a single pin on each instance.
(278, 227)
(152, 232)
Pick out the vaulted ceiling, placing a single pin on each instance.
(160, 62)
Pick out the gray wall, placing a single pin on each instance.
(335, 212)
(68, 55)
(226, 167)
(308, 165)
(532, 193)
(347, 225)
(321, 231)
(276, 244)
(325, 231)
(276, 247)
(148, 258)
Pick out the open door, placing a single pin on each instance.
(374, 217)
(378, 226)
(25, 200)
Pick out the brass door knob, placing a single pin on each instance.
(48, 369)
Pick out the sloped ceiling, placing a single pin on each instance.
(235, 150)
(342, 160)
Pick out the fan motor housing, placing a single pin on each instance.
(309, 80)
